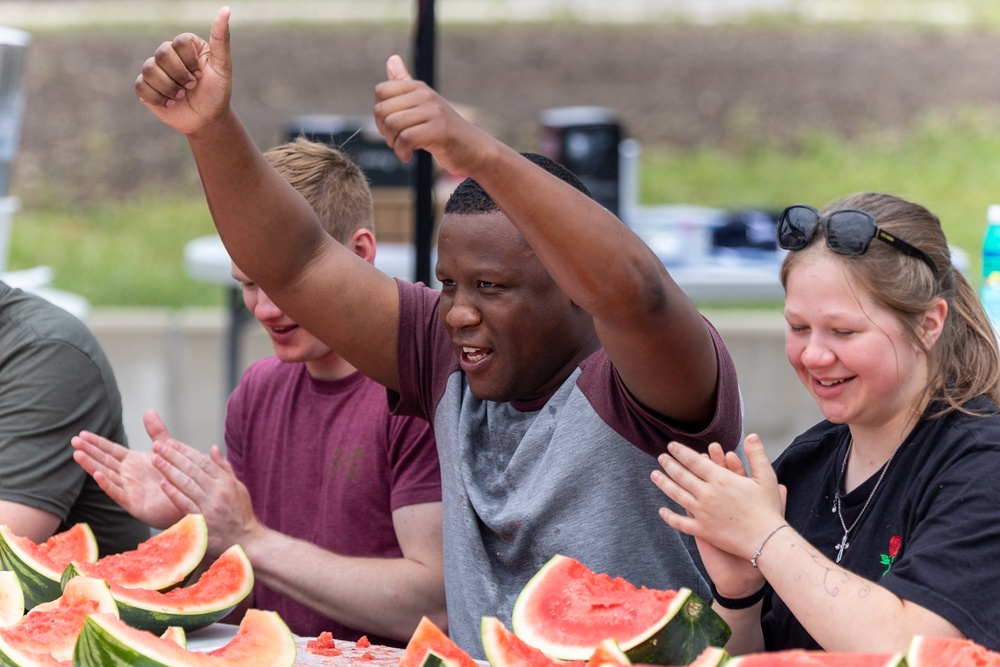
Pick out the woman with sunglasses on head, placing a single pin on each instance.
(883, 521)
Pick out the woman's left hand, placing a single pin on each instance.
(724, 507)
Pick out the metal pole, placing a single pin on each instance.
(424, 177)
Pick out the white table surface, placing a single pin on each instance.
(218, 634)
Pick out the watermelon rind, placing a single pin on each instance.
(433, 659)
(263, 640)
(689, 626)
(11, 599)
(148, 567)
(40, 582)
(712, 656)
(225, 584)
(677, 637)
(176, 635)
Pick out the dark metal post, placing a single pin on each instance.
(424, 177)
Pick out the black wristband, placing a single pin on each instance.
(737, 603)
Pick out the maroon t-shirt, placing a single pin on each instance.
(325, 462)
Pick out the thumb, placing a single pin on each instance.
(218, 41)
(395, 69)
(760, 466)
(155, 427)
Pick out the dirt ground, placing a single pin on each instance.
(85, 137)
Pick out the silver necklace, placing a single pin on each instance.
(844, 544)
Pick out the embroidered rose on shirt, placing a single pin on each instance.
(895, 542)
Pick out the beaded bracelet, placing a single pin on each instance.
(737, 603)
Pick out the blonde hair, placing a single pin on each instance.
(334, 186)
(965, 361)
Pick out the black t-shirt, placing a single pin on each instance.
(931, 533)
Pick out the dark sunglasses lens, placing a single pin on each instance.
(796, 227)
(849, 232)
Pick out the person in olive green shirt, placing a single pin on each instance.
(54, 382)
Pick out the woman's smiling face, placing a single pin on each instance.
(850, 352)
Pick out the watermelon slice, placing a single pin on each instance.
(218, 590)
(429, 638)
(803, 658)
(566, 610)
(263, 640)
(949, 652)
(39, 566)
(504, 649)
(52, 627)
(160, 563)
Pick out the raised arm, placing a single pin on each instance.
(269, 230)
(655, 335)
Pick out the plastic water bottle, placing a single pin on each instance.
(990, 288)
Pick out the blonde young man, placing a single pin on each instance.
(336, 502)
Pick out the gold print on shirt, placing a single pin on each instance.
(346, 463)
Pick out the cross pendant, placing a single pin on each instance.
(842, 547)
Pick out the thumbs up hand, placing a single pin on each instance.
(412, 116)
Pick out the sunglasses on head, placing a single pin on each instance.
(848, 232)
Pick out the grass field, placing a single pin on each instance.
(949, 166)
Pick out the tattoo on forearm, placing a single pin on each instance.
(833, 578)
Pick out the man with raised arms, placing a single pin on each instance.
(557, 360)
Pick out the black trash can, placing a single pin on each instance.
(585, 140)
(358, 137)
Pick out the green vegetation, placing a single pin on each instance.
(118, 254)
(131, 253)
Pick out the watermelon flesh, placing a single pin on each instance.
(161, 562)
(52, 628)
(226, 583)
(428, 638)
(566, 610)
(39, 567)
(803, 658)
(605, 606)
(949, 652)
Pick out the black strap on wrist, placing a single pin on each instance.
(737, 603)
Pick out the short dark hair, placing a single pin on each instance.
(470, 198)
